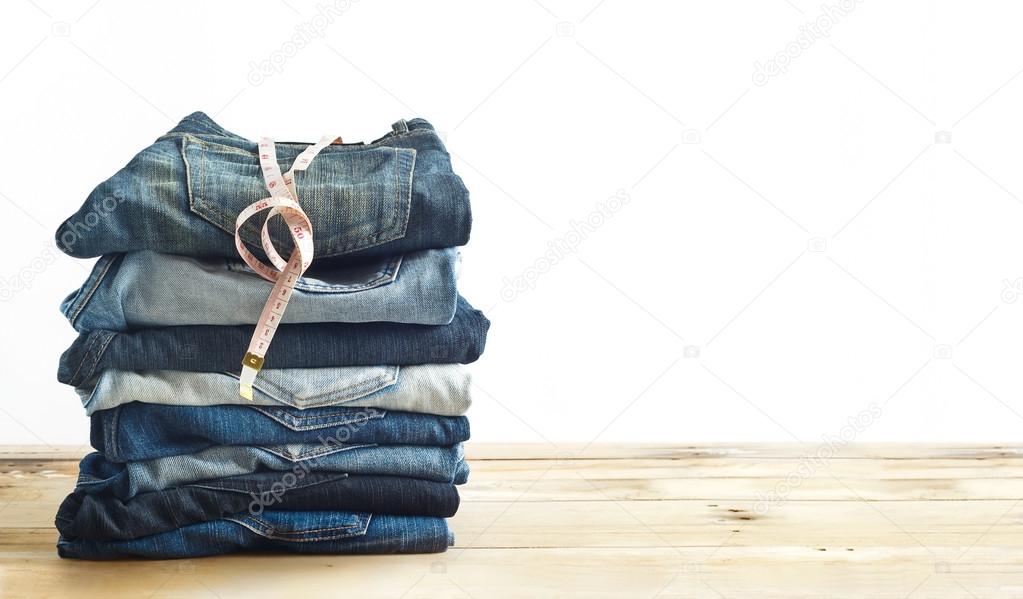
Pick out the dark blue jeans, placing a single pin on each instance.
(181, 195)
(220, 348)
(141, 431)
(106, 518)
(298, 532)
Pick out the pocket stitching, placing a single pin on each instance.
(297, 420)
(396, 229)
(351, 393)
(387, 275)
(316, 451)
(85, 301)
(357, 529)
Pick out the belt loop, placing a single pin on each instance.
(400, 127)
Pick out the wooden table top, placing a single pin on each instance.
(647, 521)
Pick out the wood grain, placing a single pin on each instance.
(613, 521)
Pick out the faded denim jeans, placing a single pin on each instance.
(104, 517)
(441, 389)
(141, 431)
(298, 532)
(96, 474)
(147, 289)
(181, 195)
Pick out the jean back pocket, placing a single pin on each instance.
(356, 197)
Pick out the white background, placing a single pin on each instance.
(816, 251)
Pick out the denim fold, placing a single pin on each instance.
(98, 475)
(140, 431)
(220, 348)
(103, 517)
(181, 195)
(441, 389)
(332, 532)
(146, 289)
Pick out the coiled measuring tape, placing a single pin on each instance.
(283, 201)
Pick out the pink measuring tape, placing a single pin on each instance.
(283, 201)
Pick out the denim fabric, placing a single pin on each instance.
(141, 431)
(298, 532)
(441, 389)
(220, 348)
(107, 518)
(146, 289)
(96, 474)
(181, 195)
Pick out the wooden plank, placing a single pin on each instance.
(612, 521)
(666, 573)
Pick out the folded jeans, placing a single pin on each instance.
(220, 348)
(441, 389)
(334, 532)
(148, 289)
(141, 431)
(181, 195)
(104, 517)
(97, 475)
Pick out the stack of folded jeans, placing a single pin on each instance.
(352, 441)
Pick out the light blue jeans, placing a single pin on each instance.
(441, 389)
(147, 289)
(96, 474)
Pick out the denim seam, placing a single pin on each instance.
(338, 476)
(100, 352)
(386, 276)
(90, 341)
(397, 186)
(379, 142)
(349, 393)
(92, 395)
(298, 426)
(317, 451)
(88, 355)
(370, 413)
(112, 439)
(411, 176)
(266, 530)
(299, 532)
(200, 207)
(392, 135)
(79, 307)
(332, 149)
